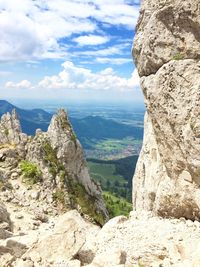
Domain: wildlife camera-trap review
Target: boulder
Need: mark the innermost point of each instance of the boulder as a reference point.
(64, 243)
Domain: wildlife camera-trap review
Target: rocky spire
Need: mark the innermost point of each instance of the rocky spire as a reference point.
(54, 163)
(64, 174)
(10, 129)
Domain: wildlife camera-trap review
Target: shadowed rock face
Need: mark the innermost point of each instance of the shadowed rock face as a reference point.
(166, 51)
(47, 172)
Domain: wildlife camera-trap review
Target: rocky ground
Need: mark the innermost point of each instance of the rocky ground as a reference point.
(69, 240)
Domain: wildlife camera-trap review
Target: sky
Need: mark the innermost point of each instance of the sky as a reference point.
(73, 50)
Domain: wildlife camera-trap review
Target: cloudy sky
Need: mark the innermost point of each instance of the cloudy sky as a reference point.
(68, 49)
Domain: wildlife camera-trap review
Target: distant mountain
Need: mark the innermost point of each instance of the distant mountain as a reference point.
(89, 129)
(98, 128)
(30, 119)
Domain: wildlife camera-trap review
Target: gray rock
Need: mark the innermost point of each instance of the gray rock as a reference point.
(166, 50)
(61, 175)
(69, 235)
(10, 130)
(59, 156)
(4, 234)
(166, 30)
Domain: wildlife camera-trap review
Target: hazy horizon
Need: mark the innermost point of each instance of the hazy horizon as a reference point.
(54, 105)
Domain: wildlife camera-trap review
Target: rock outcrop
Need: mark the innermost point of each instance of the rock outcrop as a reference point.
(166, 51)
(47, 173)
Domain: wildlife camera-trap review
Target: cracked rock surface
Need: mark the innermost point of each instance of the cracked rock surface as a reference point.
(166, 50)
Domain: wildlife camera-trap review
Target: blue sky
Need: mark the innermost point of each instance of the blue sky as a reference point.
(68, 49)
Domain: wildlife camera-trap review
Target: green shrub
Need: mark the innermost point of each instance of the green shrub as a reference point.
(50, 153)
(178, 56)
(31, 172)
(116, 205)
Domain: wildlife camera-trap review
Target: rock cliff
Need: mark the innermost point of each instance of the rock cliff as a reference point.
(166, 52)
(47, 173)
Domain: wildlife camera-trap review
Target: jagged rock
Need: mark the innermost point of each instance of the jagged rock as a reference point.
(10, 129)
(45, 176)
(113, 259)
(4, 234)
(22, 263)
(167, 177)
(60, 159)
(141, 240)
(18, 249)
(40, 216)
(59, 172)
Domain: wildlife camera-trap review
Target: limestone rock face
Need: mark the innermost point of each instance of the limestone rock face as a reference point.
(166, 30)
(166, 51)
(70, 152)
(47, 174)
(10, 130)
(5, 222)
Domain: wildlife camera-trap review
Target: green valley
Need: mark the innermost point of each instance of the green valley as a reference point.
(115, 178)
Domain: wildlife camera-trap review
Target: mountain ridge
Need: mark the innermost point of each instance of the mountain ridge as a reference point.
(87, 128)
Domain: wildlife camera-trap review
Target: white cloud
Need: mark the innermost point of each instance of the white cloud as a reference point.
(34, 29)
(73, 77)
(24, 84)
(75, 83)
(78, 78)
(91, 40)
(118, 14)
(135, 79)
